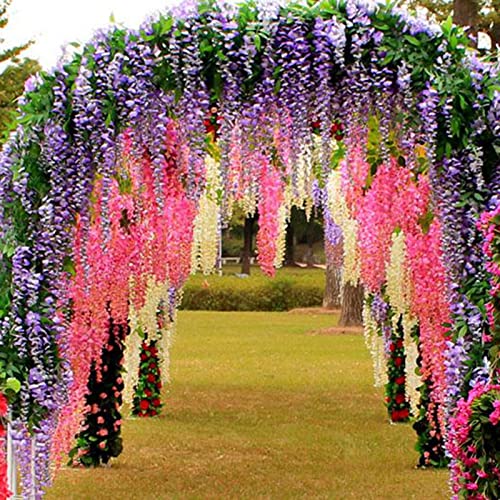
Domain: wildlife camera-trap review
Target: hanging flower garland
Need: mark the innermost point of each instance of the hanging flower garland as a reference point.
(100, 184)
(490, 224)
(412, 371)
(271, 198)
(100, 436)
(206, 236)
(340, 215)
(474, 444)
(303, 175)
(399, 293)
(206, 233)
(376, 224)
(283, 220)
(375, 344)
(397, 277)
(131, 356)
(355, 172)
(95, 306)
(430, 305)
(391, 334)
(146, 322)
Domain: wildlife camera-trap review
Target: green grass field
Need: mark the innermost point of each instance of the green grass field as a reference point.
(259, 408)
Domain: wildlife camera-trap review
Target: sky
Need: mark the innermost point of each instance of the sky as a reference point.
(52, 24)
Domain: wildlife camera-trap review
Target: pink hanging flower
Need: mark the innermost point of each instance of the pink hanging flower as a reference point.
(495, 415)
(271, 197)
(135, 233)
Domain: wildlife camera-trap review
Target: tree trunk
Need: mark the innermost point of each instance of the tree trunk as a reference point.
(466, 13)
(352, 306)
(289, 245)
(309, 255)
(333, 254)
(494, 33)
(247, 244)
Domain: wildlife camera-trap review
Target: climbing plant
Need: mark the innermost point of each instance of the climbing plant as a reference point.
(147, 396)
(142, 143)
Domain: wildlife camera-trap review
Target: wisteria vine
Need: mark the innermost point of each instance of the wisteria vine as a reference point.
(127, 154)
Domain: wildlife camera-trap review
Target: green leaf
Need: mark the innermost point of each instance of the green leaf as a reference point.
(413, 40)
(447, 25)
(257, 42)
(13, 384)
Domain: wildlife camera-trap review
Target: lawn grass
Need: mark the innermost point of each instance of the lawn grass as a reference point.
(259, 409)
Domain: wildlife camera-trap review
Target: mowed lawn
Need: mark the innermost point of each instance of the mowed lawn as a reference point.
(260, 408)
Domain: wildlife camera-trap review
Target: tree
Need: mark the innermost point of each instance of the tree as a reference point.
(333, 257)
(13, 52)
(305, 230)
(351, 313)
(290, 242)
(479, 15)
(13, 77)
(246, 254)
(11, 87)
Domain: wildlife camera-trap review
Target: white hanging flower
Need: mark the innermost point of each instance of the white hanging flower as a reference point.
(399, 293)
(206, 236)
(206, 231)
(341, 216)
(375, 344)
(397, 276)
(303, 177)
(248, 202)
(131, 357)
(413, 381)
(283, 219)
(145, 321)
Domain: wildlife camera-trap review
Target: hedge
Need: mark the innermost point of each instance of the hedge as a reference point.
(230, 293)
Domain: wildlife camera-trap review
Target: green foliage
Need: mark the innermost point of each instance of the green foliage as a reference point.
(430, 444)
(485, 438)
(12, 78)
(487, 17)
(8, 54)
(11, 87)
(255, 293)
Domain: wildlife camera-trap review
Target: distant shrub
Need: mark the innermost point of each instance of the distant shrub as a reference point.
(255, 293)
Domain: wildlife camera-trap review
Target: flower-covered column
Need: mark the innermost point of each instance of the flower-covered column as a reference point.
(397, 403)
(147, 397)
(99, 439)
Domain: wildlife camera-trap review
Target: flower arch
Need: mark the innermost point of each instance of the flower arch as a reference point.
(130, 155)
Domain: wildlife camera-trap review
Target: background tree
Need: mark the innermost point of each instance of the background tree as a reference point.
(351, 309)
(480, 15)
(306, 231)
(248, 237)
(333, 275)
(11, 87)
(13, 75)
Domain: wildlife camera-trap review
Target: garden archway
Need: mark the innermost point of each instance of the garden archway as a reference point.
(130, 155)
